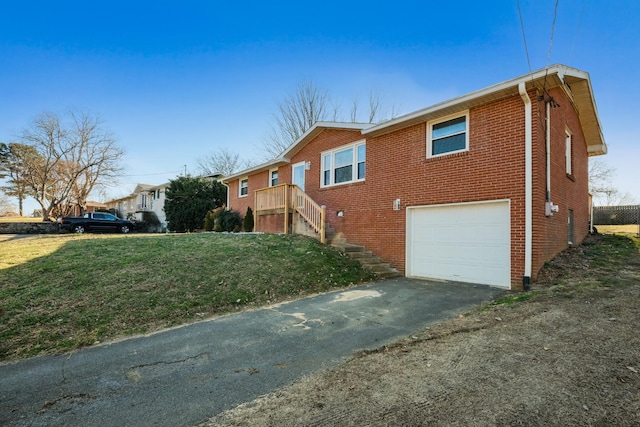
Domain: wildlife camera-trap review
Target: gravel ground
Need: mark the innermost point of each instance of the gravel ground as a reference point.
(567, 353)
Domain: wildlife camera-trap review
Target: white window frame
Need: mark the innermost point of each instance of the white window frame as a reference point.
(568, 151)
(354, 163)
(430, 139)
(271, 171)
(240, 181)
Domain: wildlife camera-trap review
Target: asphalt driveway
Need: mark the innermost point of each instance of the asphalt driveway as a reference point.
(183, 376)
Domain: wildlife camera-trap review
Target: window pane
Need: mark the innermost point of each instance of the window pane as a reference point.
(362, 152)
(327, 162)
(343, 158)
(326, 169)
(448, 144)
(361, 170)
(343, 174)
(449, 127)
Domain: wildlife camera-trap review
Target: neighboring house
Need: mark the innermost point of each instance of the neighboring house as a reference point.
(145, 198)
(90, 206)
(482, 188)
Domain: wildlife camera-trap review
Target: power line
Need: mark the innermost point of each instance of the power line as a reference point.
(575, 36)
(152, 174)
(524, 37)
(553, 26)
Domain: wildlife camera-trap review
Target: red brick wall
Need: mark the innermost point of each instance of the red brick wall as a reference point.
(494, 168)
(272, 223)
(256, 182)
(568, 192)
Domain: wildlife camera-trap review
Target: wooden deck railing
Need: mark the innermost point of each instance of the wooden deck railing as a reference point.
(272, 198)
(288, 198)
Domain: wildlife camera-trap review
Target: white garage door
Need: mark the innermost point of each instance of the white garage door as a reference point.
(464, 242)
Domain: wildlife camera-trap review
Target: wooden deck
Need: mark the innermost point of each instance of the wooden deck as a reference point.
(290, 199)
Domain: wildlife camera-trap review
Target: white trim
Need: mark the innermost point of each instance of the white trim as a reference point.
(293, 167)
(271, 176)
(318, 127)
(246, 178)
(568, 151)
(478, 202)
(507, 86)
(354, 172)
(528, 183)
(431, 123)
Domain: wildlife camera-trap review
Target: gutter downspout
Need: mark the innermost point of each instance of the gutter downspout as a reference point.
(228, 191)
(528, 186)
(548, 149)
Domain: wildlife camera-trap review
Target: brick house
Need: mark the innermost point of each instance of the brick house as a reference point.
(482, 188)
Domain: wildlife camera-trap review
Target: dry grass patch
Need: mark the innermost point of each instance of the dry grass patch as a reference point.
(618, 229)
(20, 219)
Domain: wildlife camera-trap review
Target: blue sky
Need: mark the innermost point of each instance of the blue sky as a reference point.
(176, 81)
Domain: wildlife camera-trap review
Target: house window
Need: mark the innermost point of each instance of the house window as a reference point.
(344, 164)
(244, 187)
(273, 177)
(568, 154)
(448, 135)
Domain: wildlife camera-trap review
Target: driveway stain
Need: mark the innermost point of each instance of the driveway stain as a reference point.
(356, 295)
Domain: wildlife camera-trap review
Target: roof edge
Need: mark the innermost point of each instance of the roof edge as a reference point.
(288, 152)
(529, 79)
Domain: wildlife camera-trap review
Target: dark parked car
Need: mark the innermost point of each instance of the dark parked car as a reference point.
(96, 221)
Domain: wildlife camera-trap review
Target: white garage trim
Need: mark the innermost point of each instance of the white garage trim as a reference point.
(465, 242)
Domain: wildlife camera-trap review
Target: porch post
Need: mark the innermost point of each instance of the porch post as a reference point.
(323, 218)
(255, 215)
(286, 208)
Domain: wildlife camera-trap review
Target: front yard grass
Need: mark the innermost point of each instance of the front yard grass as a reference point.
(60, 293)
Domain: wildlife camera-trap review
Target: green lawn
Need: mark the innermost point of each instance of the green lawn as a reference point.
(63, 292)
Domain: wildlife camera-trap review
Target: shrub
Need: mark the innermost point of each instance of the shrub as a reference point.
(189, 199)
(226, 220)
(247, 222)
(150, 223)
(209, 220)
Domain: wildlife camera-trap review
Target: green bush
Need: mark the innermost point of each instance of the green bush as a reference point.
(189, 199)
(247, 222)
(209, 221)
(150, 223)
(226, 220)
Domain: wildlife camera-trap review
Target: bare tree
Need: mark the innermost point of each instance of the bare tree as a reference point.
(223, 162)
(601, 185)
(95, 163)
(307, 105)
(375, 110)
(72, 160)
(296, 114)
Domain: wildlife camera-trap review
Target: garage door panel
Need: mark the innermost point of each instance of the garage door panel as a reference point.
(460, 242)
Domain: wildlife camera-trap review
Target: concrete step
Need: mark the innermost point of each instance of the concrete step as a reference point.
(350, 249)
(358, 252)
(392, 272)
